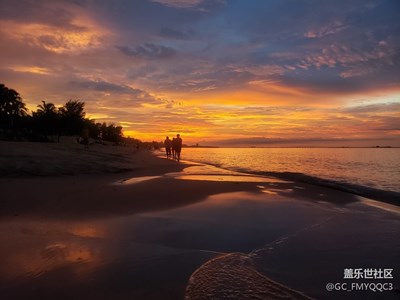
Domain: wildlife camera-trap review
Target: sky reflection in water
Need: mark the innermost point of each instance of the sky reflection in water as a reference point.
(133, 256)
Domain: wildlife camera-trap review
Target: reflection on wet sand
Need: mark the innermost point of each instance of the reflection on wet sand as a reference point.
(135, 180)
(31, 248)
(381, 205)
(229, 178)
(87, 230)
(152, 255)
(207, 173)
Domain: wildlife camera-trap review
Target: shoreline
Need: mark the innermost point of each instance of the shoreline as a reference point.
(187, 217)
(70, 161)
(28, 160)
(385, 196)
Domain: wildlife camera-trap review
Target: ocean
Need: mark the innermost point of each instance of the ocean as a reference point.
(323, 247)
(364, 171)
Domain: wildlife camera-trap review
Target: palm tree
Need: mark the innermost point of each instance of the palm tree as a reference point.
(11, 107)
(72, 116)
(46, 109)
(73, 108)
(46, 119)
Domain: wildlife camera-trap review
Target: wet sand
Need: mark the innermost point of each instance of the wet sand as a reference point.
(164, 230)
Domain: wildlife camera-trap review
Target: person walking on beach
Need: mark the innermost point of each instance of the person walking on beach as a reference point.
(173, 147)
(178, 147)
(85, 137)
(168, 145)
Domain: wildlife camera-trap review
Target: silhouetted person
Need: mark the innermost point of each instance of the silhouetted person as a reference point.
(173, 148)
(178, 147)
(85, 137)
(168, 145)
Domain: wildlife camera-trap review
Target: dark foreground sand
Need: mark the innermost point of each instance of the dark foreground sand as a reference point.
(117, 223)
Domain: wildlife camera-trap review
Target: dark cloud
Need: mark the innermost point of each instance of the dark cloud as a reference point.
(170, 33)
(200, 5)
(39, 12)
(373, 108)
(340, 47)
(103, 86)
(144, 16)
(179, 3)
(387, 123)
(52, 41)
(122, 95)
(148, 50)
(335, 46)
(213, 79)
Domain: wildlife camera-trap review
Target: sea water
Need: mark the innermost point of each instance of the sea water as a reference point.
(364, 168)
(311, 253)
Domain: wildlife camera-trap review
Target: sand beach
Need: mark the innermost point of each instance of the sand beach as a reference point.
(112, 222)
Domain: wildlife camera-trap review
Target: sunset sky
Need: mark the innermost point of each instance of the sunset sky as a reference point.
(221, 72)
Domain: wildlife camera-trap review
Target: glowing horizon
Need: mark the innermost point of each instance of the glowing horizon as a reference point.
(217, 72)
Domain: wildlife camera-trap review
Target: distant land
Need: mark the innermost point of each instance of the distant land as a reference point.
(200, 146)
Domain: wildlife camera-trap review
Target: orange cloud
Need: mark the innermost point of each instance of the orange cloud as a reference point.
(81, 34)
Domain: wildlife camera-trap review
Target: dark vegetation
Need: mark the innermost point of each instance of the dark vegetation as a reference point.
(48, 123)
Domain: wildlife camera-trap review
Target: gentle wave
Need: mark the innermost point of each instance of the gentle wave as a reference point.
(360, 190)
(377, 169)
(385, 191)
(234, 276)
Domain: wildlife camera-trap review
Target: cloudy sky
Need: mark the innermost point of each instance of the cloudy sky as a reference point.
(226, 72)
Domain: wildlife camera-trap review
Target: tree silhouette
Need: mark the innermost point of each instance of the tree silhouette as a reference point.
(46, 109)
(12, 109)
(111, 133)
(47, 120)
(73, 108)
(72, 116)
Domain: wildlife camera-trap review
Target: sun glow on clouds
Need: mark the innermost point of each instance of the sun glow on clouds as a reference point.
(210, 123)
(82, 34)
(30, 69)
(210, 70)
